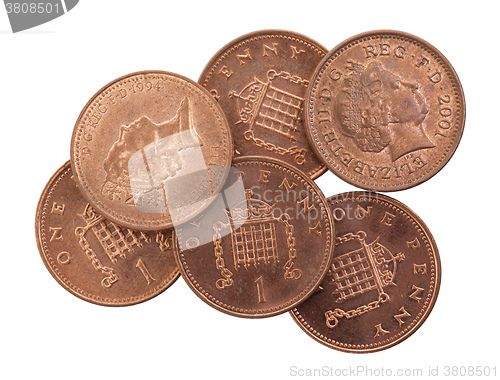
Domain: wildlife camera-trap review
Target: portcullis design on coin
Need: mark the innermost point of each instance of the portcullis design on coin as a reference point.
(383, 281)
(385, 111)
(151, 150)
(260, 80)
(263, 245)
(95, 259)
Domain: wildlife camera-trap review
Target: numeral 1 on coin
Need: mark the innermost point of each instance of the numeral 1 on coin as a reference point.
(260, 289)
(149, 278)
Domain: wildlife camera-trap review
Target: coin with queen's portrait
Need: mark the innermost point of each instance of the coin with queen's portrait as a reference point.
(385, 111)
(151, 150)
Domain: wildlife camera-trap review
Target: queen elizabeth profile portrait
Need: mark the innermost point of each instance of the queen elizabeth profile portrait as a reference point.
(147, 155)
(379, 110)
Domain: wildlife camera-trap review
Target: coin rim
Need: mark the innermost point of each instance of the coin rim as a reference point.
(350, 195)
(402, 185)
(321, 275)
(44, 251)
(119, 218)
(206, 74)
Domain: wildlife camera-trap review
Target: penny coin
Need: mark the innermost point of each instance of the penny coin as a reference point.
(260, 80)
(263, 246)
(95, 259)
(383, 281)
(151, 149)
(385, 110)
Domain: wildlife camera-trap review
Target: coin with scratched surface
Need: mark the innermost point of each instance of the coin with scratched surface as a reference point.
(383, 281)
(95, 259)
(260, 80)
(263, 246)
(385, 111)
(150, 150)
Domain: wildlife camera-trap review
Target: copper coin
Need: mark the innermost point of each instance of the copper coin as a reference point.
(95, 259)
(260, 80)
(263, 246)
(151, 149)
(385, 110)
(383, 281)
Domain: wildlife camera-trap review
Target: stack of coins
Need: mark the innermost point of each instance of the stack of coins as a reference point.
(215, 181)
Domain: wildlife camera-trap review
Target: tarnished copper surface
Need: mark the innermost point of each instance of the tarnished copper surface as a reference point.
(260, 80)
(262, 254)
(150, 149)
(95, 259)
(385, 110)
(383, 281)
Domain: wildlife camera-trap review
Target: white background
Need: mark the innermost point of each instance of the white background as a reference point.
(48, 74)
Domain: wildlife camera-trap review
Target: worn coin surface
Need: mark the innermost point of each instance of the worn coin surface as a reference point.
(260, 80)
(150, 150)
(385, 110)
(263, 246)
(95, 259)
(383, 281)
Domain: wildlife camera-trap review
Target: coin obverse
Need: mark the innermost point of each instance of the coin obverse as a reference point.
(150, 150)
(263, 246)
(383, 281)
(260, 80)
(95, 259)
(385, 111)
